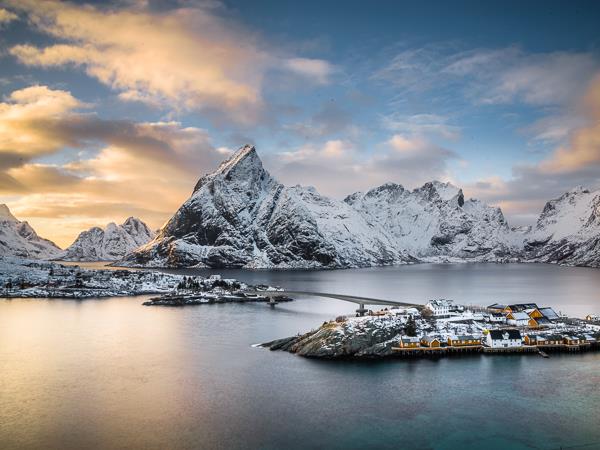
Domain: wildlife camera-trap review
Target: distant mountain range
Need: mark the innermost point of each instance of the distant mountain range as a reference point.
(96, 244)
(240, 216)
(108, 244)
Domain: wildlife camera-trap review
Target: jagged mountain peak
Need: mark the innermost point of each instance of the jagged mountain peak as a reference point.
(244, 154)
(5, 214)
(443, 190)
(239, 216)
(244, 166)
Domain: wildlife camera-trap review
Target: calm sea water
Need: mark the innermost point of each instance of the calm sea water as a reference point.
(113, 374)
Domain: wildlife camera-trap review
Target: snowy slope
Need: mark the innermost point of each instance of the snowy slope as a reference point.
(568, 230)
(435, 221)
(20, 239)
(108, 244)
(240, 216)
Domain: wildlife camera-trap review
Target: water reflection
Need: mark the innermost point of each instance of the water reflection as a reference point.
(114, 374)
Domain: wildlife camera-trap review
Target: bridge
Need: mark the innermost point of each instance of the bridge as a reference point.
(361, 301)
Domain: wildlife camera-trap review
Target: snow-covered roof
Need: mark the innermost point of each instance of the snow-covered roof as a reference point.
(498, 335)
(549, 313)
(520, 316)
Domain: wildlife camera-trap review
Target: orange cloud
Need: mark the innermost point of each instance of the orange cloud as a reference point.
(188, 58)
(583, 148)
(24, 111)
(144, 169)
(6, 16)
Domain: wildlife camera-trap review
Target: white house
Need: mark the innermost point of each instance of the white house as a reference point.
(503, 339)
(412, 312)
(497, 318)
(519, 319)
(441, 307)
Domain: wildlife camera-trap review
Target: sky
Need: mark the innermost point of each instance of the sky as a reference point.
(115, 109)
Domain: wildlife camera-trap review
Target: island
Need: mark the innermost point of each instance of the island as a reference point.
(443, 328)
(25, 278)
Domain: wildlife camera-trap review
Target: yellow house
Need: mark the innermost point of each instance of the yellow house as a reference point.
(555, 339)
(463, 341)
(534, 313)
(430, 342)
(532, 339)
(409, 342)
(521, 319)
(571, 340)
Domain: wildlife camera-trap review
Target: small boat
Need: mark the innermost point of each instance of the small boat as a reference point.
(543, 354)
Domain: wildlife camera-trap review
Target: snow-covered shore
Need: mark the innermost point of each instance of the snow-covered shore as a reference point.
(24, 278)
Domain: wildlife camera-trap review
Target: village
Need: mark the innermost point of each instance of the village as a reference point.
(443, 326)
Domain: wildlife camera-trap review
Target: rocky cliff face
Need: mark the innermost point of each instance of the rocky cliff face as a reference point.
(20, 239)
(108, 244)
(567, 231)
(240, 216)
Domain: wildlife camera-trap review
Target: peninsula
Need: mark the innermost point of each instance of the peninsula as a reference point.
(443, 328)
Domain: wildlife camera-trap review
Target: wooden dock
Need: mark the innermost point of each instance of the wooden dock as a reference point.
(525, 349)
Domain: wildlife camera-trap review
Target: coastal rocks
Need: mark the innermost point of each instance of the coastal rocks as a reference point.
(108, 244)
(361, 337)
(20, 239)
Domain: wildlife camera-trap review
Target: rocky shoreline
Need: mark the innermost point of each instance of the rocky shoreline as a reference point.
(360, 337)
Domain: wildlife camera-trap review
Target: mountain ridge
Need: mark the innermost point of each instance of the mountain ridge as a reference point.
(240, 216)
(108, 244)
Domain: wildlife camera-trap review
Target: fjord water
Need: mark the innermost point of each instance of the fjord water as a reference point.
(111, 373)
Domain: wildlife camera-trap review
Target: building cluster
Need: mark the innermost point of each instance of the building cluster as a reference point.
(446, 325)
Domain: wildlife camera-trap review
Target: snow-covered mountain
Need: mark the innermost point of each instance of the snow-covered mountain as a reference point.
(435, 222)
(20, 239)
(240, 216)
(108, 244)
(567, 231)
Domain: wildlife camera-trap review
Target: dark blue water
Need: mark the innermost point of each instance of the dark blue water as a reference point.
(113, 374)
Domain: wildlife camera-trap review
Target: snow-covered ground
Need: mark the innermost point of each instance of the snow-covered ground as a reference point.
(33, 278)
(378, 334)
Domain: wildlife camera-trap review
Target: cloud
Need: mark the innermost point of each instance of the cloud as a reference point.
(315, 69)
(123, 167)
(28, 121)
(188, 58)
(554, 128)
(338, 168)
(421, 125)
(328, 120)
(574, 163)
(6, 16)
(492, 76)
